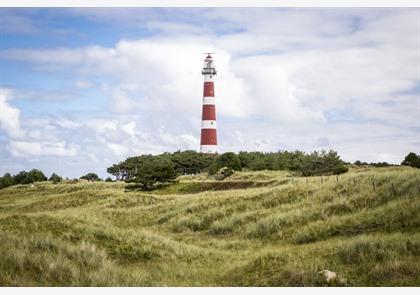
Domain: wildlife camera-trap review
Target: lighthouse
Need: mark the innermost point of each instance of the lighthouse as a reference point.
(208, 144)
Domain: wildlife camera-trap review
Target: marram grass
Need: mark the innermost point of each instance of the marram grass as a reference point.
(254, 229)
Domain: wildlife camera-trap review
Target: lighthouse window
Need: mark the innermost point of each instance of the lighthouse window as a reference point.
(211, 123)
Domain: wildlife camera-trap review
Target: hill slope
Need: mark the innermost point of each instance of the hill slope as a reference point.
(257, 229)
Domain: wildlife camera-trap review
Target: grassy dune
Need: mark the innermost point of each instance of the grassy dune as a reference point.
(253, 229)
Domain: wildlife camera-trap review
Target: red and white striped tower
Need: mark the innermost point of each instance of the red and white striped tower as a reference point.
(208, 143)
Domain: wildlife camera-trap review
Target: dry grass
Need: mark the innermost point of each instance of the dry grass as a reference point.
(274, 230)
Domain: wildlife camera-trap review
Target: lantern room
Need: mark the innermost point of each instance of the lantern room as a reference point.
(209, 68)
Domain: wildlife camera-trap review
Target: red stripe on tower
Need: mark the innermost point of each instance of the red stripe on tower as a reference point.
(208, 143)
(208, 137)
(208, 89)
(209, 112)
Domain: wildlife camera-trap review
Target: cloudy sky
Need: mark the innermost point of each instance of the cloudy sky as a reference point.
(81, 89)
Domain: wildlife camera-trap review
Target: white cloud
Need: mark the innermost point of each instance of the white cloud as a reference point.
(20, 148)
(24, 148)
(121, 103)
(129, 128)
(67, 123)
(119, 149)
(9, 115)
(37, 138)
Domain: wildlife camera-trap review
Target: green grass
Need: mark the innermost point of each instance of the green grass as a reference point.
(253, 229)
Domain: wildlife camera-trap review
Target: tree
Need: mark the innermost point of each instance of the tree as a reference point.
(33, 175)
(55, 178)
(37, 175)
(412, 160)
(380, 164)
(230, 160)
(6, 181)
(151, 171)
(115, 170)
(190, 162)
(108, 179)
(21, 178)
(318, 163)
(91, 177)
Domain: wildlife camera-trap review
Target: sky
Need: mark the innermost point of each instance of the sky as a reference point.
(84, 88)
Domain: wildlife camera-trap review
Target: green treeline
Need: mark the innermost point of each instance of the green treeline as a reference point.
(169, 165)
(146, 170)
(22, 177)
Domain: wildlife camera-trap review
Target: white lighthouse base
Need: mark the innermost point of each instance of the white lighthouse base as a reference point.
(208, 149)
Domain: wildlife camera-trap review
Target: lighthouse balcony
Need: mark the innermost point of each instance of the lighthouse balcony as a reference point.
(208, 71)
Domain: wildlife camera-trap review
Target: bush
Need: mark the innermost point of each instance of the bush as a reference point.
(151, 171)
(33, 175)
(340, 169)
(224, 173)
(6, 180)
(412, 160)
(55, 178)
(319, 163)
(380, 164)
(229, 160)
(213, 169)
(108, 179)
(91, 177)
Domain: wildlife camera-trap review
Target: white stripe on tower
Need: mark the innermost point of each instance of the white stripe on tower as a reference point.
(208, 143)
(209, 100)
(208, 149)
(208, 78)
(208, 124)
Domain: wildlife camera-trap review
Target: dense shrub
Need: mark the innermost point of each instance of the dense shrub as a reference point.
(224, 172)
(213, 169)
(318, 163)
(6, 180)
(412, 160)
(151, 171)
(190, 162)
(229, 160)
(91, 177)
(55, 178)
(185, 162)
(33, 175)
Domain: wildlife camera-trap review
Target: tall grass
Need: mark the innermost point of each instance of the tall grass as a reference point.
(256, 228)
